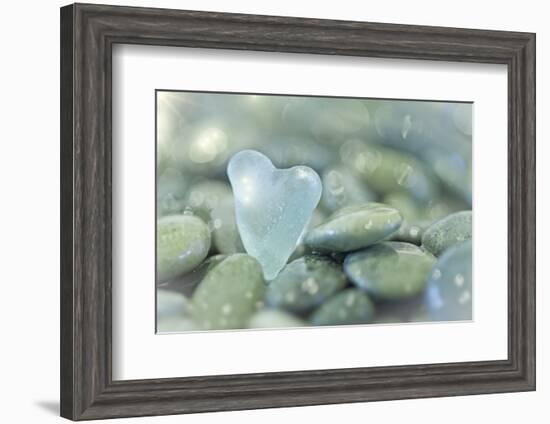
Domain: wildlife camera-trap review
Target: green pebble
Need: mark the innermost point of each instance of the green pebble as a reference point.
(225, 233)
(410, 232)
(207, 195)
(390, 270)
(449, 289)
(288, 151)
(317, 217)
(456, 177)
(351, 306)
(337, 118)
(328, 120)
(343, 188)
(186, 284)
(213, 201)
(171, 188)
(403, 124)
(355, 227)
(462, 118)
(275, 318)
(183, 242)
(447, 232)
(413, 225)
(441, 207)
(171, 304)
(176, 325)
(304, 284)
(173, 312)
(388, 170)
(230, 293)
(414, 309)
(387, 319)
(405, 204)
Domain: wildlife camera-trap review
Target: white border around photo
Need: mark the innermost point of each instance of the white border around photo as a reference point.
(139, 353)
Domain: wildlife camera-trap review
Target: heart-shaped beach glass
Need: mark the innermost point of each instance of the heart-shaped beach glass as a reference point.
(272, 206)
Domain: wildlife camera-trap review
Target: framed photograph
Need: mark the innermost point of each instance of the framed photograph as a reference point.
(263, 211)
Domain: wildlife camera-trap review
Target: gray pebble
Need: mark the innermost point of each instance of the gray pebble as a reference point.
(447, 232)
(186, 283)
(449, 289)
(304, 284)
(230, 293)
(341, 188)
(171, 304)
(225, 233)
(275, 318)
(390, 270)
(354, 227)
(388, 170)
(350, 306)
(183, 242)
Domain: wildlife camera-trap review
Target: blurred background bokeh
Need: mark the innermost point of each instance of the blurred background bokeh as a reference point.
(414, 156)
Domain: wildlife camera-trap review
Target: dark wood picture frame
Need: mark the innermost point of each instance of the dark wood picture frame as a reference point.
(88, 33)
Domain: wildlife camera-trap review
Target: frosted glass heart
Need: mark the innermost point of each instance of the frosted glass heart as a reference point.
(272, 206)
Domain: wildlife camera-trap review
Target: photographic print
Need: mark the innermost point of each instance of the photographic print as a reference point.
(282, 211)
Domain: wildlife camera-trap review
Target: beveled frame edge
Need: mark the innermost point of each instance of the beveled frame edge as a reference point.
(88, 33)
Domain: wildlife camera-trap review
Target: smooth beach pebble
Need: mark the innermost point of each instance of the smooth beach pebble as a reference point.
(462, 118)
(402, 124)
(183, 242)
(336, 118)
(173, 312)
(449, 289)
(275, 318)
(350, 306)
(411, 232)
(304, 284)
(440, 207)
(447, 232)
(207, 195)
(317, 217)
(288, 151)
(408, 310)
(413, 226)
(171, 188)
(390, 270)
(225, 234)
(213, 201)
(405, 204)
(186, 284)
(455, 173)
(327, 120)
(343, 188)
(176, 325)
(388, 170)
(230, 293)
(170, 120)
(171, 304)
(354, 227)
